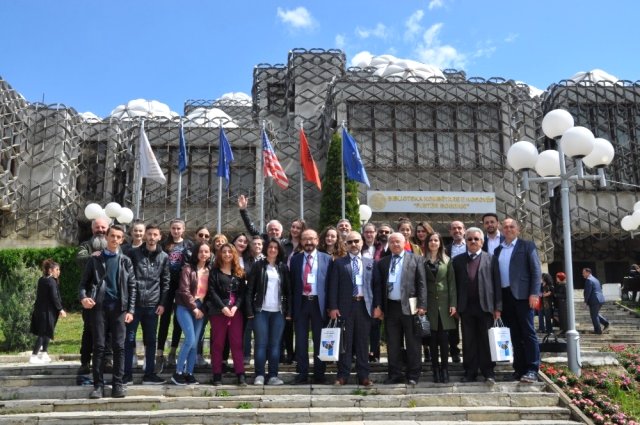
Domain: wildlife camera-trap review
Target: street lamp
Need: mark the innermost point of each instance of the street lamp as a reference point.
(578, 144)
(631, 222)
(365, 214)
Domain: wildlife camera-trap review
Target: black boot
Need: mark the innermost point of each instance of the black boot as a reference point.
(436, 373)
(444, 375)
(427, 354)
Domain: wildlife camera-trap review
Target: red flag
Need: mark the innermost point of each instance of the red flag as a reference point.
(272, 167)
(307, 163)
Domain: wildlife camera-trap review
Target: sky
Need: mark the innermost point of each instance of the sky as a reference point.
(94, 55)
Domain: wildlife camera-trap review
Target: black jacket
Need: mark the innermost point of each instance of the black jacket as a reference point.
(92, 282)
(218, 293)
(257, 287)
(152, 275)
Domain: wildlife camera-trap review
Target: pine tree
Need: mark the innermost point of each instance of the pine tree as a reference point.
(330, 204)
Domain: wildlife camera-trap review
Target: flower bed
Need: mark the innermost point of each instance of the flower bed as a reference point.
(607, 396)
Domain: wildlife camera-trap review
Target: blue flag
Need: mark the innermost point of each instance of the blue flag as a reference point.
(225, 157)
(351, 158)
(183, 160)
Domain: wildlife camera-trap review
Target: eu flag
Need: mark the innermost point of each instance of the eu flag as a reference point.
(225, 157)
(183, 161)
(351, 158)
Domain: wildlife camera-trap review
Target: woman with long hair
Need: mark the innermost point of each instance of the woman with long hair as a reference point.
(422, 233)
(330, 242)
(202, 235)
(241, 243)
(406, 228)
(268, 304)
(441, 305)
(225, 297)
(190, 311)
(292, 243)
(46, 311)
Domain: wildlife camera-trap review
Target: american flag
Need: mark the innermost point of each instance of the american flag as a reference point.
(272, 167)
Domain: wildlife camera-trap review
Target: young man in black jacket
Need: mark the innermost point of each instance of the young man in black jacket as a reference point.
(151, 268)
(108, 289)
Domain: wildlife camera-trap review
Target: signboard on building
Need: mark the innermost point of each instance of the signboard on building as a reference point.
(431, 202)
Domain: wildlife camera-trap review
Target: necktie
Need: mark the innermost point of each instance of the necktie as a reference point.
(394, 262)
(473, 256)
(306, 289)
(356, 271)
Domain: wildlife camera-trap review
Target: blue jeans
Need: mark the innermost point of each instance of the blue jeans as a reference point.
(268, 327)
(191, 329)
(148, 319)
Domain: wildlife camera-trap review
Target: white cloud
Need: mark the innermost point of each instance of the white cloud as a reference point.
(340, 41)
(431, 51)
(436, 4)
(511, 38)
(361, 59)
(380, 31)
(298, 18)
(413, 25)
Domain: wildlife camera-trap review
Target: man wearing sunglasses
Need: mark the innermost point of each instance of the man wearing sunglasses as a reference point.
(350, 299)
(479, 304)
(382, 242)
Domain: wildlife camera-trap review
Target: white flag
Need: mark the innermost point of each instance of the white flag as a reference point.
(149, 166)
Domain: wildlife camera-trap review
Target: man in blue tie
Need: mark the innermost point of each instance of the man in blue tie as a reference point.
(351, 299)
(309, 273)
(398, 278)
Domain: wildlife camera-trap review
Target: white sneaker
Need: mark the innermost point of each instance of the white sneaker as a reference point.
(44, 356)
(274, 380)
(200, 361)
(35, 359)
(259, 380)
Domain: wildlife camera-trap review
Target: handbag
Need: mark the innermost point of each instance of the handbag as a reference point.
(500, 342)
(421, 326)
(551, 343)
(330, 342)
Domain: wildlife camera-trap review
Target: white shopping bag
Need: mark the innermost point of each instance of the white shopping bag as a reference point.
(500, 343)
(330, 343)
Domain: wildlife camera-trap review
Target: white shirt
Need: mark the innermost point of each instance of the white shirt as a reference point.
(360, 275)
(314, 269)
(493, 243)
(504, 260)
(272, 292)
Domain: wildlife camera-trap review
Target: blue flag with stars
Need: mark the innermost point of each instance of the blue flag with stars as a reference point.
(225, 157)
(351, 158)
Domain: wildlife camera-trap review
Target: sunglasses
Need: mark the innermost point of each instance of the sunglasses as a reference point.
(383, 232)
(473, 239)
(353, 241)
(204, 235)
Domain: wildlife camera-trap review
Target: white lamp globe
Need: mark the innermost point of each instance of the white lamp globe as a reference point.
(556, 122)
(635, 217)
(92, 211)
(365, 212)
(636, 206)
(601, 155)
(522, 155)
(577, 142)
(104, 215)
(113, 209)
(628, 223)
(126, 216)
(548, 163)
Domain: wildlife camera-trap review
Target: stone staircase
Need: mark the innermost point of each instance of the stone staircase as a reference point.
(624, 329)
(35, 394)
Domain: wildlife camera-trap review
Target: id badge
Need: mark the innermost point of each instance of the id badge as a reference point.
(359, 280)
(311, 279)
(392, 277)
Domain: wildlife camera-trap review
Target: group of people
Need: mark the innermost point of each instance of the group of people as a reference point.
(276, 287)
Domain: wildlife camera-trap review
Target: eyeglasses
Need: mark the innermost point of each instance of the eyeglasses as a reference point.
(353, 241)
(472, 239)
(204, 235)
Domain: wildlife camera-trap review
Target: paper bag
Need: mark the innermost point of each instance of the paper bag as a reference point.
(330, 343)
(500, 343)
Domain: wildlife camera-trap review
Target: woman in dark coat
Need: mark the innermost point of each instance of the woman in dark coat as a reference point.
(46, 311)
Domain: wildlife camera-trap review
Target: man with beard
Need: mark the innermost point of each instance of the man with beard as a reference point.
(309, 275)
(344, 227)
(492, 238)
(381, 249)
(455, 248)
(87, 249)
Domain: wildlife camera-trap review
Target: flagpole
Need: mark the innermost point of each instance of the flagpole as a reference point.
(264, 128)
(178, 201)
(342, 173)
(138, 177)
(301, 181)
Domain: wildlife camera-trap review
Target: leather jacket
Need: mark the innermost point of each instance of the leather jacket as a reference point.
(152, 274)
(187, 288)
(92, 282)
(218, 293)
(257, 287)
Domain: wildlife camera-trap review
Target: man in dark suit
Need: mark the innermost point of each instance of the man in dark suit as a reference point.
(399, 277)
(594, 298)
(309, 273)
(381, 249)
(520, 278)
(350, 298)
(455, 248)
(479, 304)
(492, 237)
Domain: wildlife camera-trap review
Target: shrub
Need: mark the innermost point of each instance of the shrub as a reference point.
(17, 296)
